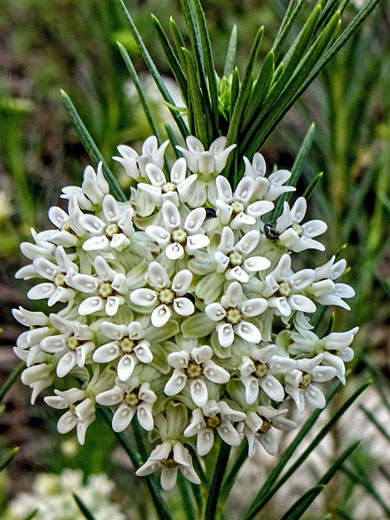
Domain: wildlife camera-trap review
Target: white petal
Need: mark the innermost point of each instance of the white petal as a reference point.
(199, 393)
(256, 263)
(66, 363)
(176, 383)
(253, 307)
(272, 387)
(225, 334)
(160, 316)
(298, 302)
(143, 352)
(182, 282)
(106, 353)
(205, 441)
(183, 306)
(40, 291)
(195, 242)
(126, 367)
(110, 397)
(158, 277)
(215, 373)
(314, 228)
(201, 354)
(215, 311)
(194, 220)
(228, 433)
(66, 423)
(171, 216)
(143, 297)
(174, 251)
(168, 477)
(122, 417)
(93, 224)
(244, 190)
(113, 303)
(91, 305)
(159, 235)
(248, 332)
(315, 397)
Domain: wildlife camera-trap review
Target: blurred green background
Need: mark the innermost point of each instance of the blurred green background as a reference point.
(46, 46)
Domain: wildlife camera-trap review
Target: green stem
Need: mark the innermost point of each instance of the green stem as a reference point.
(219, 471)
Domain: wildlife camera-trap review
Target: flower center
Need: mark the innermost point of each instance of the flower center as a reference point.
(73, 342)
(169, 187)
(111, 230)
(132, 398)
(297, 228)
(265, 426)
(237, 207)
(59, 280)
(127, 345)
(105, 290)
(305, 381)
(235, 258)
(261, 369)
(193, 370)
(284, 289)
(213, 422)
(180, 236)
(233, 316)
(169, 462)
(166, 296)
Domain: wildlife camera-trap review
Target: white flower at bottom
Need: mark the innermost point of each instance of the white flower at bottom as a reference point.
(170, 456)
(258, 428)
(194, 367)
(231, 314)
(81, 411)
(132, 396)
(214, 416)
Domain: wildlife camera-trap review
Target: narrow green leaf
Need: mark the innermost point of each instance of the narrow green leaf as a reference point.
(292, 11)
(234, 91)
(338, 463)
(293, 57)
(309, 190)
(174, 63)
(31, 515)
(197, 465)
(188, 507)
(299, 507)
(140, 91)
(153, 70)
(178, 40)
(244, 90)
(219, 470)
(230, 477)
(173, 139)
(155, 491)
(83, 508)
(367, 484)
(8, 458)
(208, 63)
(14, 375)
(260, 90)
(194, 94)
(296, 170)
(91, 148)
(230, 60)
(371, 417)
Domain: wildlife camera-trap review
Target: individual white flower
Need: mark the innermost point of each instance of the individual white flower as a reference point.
(112, 230)
(258, 427)
(234, 259)
(41, 249)
(134, 164)
(129, 345)
(266, 188)
(28, 343)
(94, 187)
(299, 382)
(231, 314)
(56, 290)
(38, 377)
(107, 288)
(283, 289)
(166, 296)
(236, 209)
(68, 226)
(335, 348)
(325, 291)
(132, 397)
(206, 164)
(295, 236)
(212, 416)
(258, 369)
(177, 238)
(73, 344)
(169, 457)
(193, 368)
(81, 411)
(176, 189)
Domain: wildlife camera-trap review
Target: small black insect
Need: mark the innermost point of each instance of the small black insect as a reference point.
(270, 232)
(210, 213)
(190, 297)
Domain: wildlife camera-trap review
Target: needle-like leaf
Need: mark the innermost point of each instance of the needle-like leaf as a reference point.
(230, 60)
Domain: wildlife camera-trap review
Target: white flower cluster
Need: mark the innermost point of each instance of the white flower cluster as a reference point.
(52, 498)
(181, 306)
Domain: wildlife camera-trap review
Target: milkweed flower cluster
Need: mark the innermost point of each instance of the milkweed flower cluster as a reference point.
(186, 306)
(51, 497)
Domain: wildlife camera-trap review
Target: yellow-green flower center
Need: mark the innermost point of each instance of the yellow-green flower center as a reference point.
(261, 369)
(59, 280)
(105, 290)
(73, 343)
(233, 316)
(284, 290)
(297, 228)
(169, 187)
(265, 426)
(180, 236)
(193, 370)
(237, 207)
(127, 345)
(305, 381)
(213, 422)
(132, 398)
(235, 258)
(111, 230)
(166, 296)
